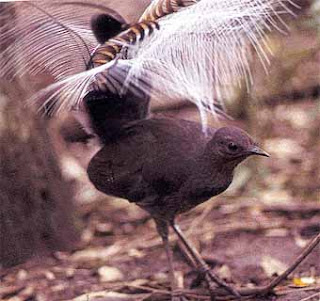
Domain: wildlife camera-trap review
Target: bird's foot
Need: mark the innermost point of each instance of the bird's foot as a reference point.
(213, 279)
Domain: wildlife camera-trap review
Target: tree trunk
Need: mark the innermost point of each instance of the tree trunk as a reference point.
(36, 211)
(35, 201)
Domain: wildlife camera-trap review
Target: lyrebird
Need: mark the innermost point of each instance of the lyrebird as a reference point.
(180, 49)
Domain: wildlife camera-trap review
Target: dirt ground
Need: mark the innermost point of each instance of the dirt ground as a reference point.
(248, 235)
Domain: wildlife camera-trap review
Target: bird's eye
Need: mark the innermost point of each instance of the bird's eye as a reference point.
(232, 147)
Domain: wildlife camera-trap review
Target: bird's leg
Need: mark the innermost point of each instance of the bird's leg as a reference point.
(204, 268)
(163, 230)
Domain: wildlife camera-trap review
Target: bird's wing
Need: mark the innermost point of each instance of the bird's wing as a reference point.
(152, 155)
(117, 168)
(170, 154)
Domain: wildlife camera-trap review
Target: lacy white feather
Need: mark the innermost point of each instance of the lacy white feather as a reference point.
(51, 36)
(204, 50)
(199, 53)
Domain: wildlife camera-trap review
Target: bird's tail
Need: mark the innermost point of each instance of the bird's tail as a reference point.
(108, 112)
(201, 51)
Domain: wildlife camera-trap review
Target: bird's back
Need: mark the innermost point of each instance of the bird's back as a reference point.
(151, 157)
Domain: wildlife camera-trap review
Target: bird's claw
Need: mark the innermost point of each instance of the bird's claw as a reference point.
(211, 279)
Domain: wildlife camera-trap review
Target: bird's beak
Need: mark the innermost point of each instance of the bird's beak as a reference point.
(258, 151)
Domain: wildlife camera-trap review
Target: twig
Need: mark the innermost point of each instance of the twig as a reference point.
(293, 208)
(152, 240)
(263, 290)
(310, 297)
(220, 294)
(149, 289)
(307, 250)
(300, 289)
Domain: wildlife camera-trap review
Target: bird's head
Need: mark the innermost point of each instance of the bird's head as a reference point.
(231, 144)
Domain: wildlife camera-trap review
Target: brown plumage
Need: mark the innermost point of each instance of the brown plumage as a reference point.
(161, 8)
(135, 33)
(168, 167)
(113, 47)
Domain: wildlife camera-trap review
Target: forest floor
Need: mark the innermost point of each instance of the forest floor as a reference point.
(248, 235)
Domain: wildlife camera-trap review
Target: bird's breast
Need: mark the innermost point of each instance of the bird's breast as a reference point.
(200, 195)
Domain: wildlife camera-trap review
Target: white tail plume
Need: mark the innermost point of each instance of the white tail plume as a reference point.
(200, 52)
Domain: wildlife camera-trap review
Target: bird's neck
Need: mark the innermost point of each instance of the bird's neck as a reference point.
(216, 169)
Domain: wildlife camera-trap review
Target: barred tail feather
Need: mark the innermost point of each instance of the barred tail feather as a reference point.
(199, 53)
(203, 58)
(131, 36)
(160, 8)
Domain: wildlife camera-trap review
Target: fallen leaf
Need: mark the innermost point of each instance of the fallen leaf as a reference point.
(300, 242)
(272, 266)
(70, 272)
(304, 281)
(224, 272)
(136, 253)
(280, 232)
(110, 296)
(95, 253)
(276, 196)
(178, 275)
(22, 275)
(49, 275)
(104, 228)
(110, 274)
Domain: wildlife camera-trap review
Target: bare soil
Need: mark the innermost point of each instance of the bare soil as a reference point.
(248, 235)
